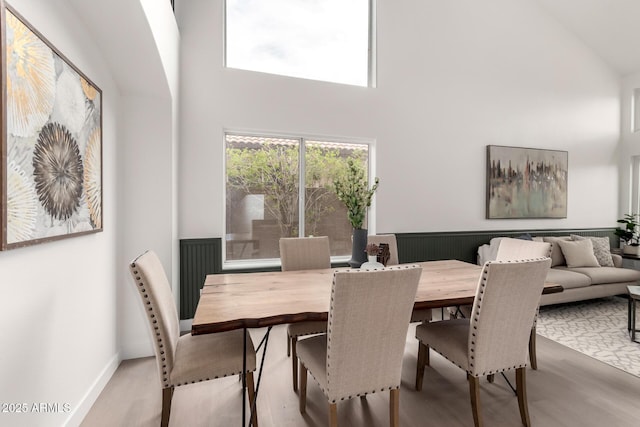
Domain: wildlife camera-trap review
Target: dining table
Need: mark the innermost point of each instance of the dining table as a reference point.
(232, 301)
(255, 300)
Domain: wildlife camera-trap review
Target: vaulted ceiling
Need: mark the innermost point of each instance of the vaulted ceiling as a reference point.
(610, 27)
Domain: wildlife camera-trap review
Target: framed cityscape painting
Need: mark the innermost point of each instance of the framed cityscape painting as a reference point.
(526, 183)
(51, 168)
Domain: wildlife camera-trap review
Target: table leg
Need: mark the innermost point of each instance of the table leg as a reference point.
(629, 313)
(265, 341)
(244, 377)
(633, 319)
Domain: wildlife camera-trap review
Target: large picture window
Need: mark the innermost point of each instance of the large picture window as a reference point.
(328, 40)
(282, 187)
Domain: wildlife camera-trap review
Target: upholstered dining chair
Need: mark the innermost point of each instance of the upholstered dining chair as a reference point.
(494, 339)
(362, 350)
(513, 250)
(303, 253)
(186, 359)
(421, 315)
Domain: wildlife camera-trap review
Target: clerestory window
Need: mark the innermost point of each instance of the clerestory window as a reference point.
(328, 40)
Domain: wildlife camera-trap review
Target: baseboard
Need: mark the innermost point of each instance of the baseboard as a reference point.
(82, 409)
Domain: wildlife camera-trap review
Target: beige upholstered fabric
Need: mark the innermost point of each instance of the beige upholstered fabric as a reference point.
(578, 253)
(511, 250)
(368, 321)
(569, 279)
(421, 315)
(494, 338)
(389, 239)
(557, 258)
(517, 249)
(503, 311)
(305, 253)
(184, 359)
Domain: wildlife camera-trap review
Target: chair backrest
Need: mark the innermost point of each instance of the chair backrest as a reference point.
(160, 309)
(389, 239)
(368, 320)
(519, 249)
(305, 253)
(504, 308)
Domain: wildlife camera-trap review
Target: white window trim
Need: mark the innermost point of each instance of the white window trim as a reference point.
(275, 262)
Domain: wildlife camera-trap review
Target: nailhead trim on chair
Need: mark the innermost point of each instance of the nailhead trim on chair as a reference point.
(483, 285)
(152, 316)
(160, 343)
(329, 324)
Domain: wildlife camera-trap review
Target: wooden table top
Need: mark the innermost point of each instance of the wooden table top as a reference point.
(253, 300)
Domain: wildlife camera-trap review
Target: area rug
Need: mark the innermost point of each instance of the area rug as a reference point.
(597, 328)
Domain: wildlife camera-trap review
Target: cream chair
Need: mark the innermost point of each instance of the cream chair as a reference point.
(422, 315)
(303, 253)
(186, 359)
(513, 250)
(495, 338)
(362, 351)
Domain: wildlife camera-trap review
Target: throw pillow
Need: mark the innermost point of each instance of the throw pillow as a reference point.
(525, 236)
(556, 253)
(601, 249)
(517, 249)
(578, 253)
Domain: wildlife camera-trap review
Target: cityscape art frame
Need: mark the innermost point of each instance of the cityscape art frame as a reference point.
(526, 183)
(51, 150)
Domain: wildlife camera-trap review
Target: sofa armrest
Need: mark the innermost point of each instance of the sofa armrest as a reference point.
(617, 260)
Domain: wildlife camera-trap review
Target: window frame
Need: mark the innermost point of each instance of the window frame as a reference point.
(372, 48)
(301, 137)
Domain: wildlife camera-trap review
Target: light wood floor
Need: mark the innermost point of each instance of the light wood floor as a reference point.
(569, 389)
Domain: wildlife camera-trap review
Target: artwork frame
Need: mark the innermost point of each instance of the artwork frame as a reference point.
(526, 183)
(51, 148)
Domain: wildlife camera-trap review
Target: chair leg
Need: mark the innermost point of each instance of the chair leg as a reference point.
(532, 349)
(333, 414)
(167, 395)
(394, 407)
(474, 391)
(288, 345)
(423, 360)
(294, 363)
(303, 388)
(252, 399)
(521, 387)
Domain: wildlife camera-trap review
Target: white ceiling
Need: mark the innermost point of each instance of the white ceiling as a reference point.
(128, 46)
(610, 27)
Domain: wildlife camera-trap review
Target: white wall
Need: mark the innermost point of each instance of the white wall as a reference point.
(58, 299)
(630, 146)
(453, 77)
(68, 309)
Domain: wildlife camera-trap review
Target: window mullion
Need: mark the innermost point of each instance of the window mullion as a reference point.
(301, 188)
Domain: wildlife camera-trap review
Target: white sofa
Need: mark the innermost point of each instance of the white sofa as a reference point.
(579, 283)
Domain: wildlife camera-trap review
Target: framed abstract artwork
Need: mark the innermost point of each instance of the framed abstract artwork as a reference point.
(51, 168)
(526, 183)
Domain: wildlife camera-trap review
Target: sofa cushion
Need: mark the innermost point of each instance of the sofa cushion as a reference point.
(556, 253)
(567, 279)
(603, 275)
(601, 249)
(517, 249)
(578, 253)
